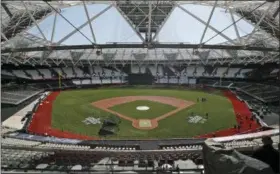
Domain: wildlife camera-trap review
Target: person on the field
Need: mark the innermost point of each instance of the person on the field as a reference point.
(238, 128)
(206, 115)
(268, 154)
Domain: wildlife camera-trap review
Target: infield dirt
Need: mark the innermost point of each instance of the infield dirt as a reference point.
(106, 104)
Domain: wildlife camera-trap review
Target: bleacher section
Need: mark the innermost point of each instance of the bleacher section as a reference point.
(160, 70)
(36, 155)
(5, 72)
(16, 97)
(242, 73)
(199, 71)
(79, 72)
(20, 74)
(263, 92)
(267, 93)
(232, 72)
(69, 72)
(46, 73)
(220, 72)
(34, 74)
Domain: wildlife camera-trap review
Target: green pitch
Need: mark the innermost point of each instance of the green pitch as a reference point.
(71, 108)
(155, 109)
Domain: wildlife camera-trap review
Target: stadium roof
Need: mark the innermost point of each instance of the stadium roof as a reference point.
(89, 31)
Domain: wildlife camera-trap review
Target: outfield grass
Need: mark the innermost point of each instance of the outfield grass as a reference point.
(156, 109)
(72, 107)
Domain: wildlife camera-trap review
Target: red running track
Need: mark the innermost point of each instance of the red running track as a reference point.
(42, 119)
(242, 114)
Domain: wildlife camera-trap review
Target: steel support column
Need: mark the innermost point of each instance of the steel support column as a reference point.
(83, 25)
(54, 24)
(277, 11)
(35, 22)
(149, 22)
(129, 23)
(3, 35)
(161, 26)
(208, 22)
(7, 10)
(89, 23)
(257, 26)
(210, 26)
(235, 26)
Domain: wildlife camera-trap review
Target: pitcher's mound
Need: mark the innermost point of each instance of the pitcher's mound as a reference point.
(142, 108)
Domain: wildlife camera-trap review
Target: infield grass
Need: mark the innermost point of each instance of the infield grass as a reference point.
(72, 107)
(156, 109)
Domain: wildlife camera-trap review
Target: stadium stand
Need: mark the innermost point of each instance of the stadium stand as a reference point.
(263, 92)
(64, 157)
(40, 58)
(16, 96)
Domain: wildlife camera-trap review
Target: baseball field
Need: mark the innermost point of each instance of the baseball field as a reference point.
(142, 113)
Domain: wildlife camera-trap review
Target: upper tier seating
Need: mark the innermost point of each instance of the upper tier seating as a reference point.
(79, 72)
(190, 70)
(20, 74)
(160, 71)
(232, 72)
(242, 72)
(135, 69)
(5, 72)
(97, 70)
(46, 72)
(199, 71)
(220, 72)
(17, 96)
(35, 75)
(153, 70)
(69, 72)
(261, 91)
(59, 72)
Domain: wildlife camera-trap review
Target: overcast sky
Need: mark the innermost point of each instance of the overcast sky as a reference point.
(112, 27)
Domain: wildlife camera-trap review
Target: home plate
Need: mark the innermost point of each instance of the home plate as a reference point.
(142, 108)
(145, 123)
